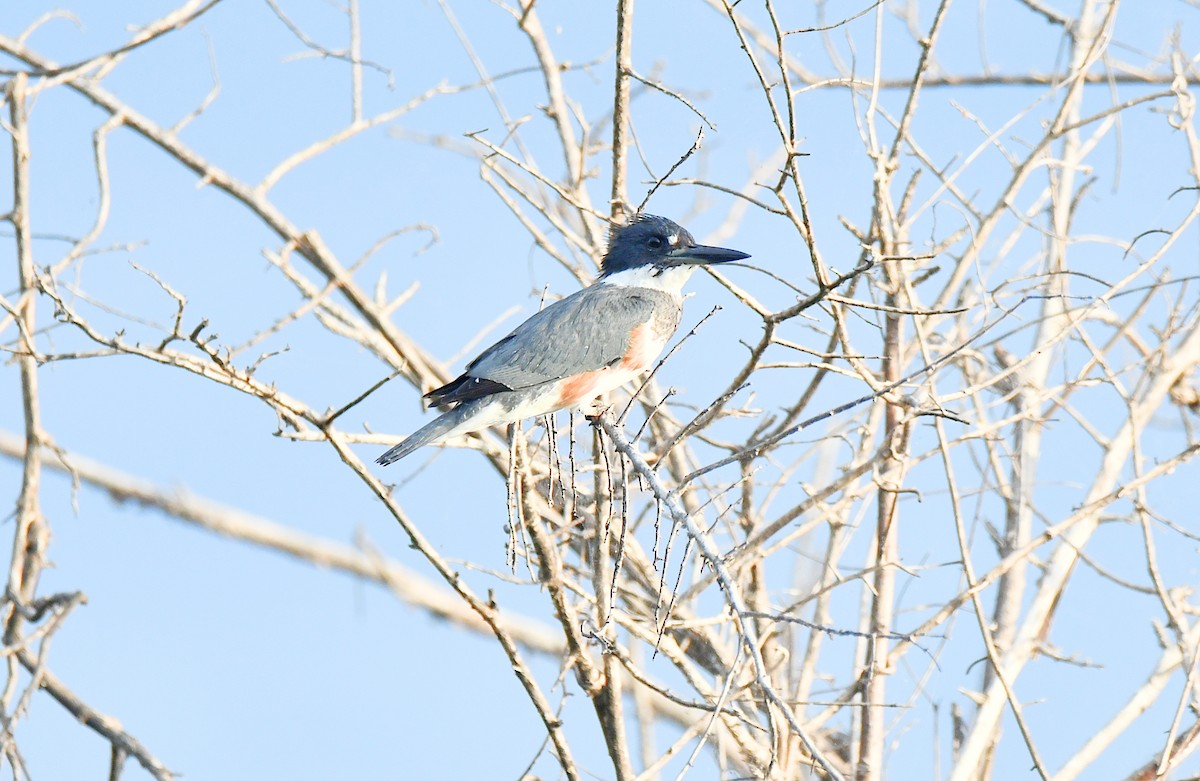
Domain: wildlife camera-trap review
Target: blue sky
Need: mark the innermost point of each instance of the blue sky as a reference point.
(229, 662)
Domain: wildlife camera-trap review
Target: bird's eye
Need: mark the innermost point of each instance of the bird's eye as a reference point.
(654, 242)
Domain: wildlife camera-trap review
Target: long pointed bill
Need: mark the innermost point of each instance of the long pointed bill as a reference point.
(701, 255)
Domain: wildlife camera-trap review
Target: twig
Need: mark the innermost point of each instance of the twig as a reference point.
(658, 182)
(733, 598)
(104, 725)
(620, 129)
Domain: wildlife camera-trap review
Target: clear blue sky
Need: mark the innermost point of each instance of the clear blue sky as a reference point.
(231, 663)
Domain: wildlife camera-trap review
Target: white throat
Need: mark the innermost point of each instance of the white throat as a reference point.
(669, 280)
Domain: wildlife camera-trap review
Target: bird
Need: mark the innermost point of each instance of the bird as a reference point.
(581, 346)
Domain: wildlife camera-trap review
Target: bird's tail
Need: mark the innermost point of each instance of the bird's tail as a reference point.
(460, 420)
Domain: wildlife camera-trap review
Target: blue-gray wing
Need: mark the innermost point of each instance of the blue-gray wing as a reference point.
(583, 332)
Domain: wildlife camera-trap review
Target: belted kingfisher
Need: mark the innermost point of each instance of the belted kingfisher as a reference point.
(582, 346)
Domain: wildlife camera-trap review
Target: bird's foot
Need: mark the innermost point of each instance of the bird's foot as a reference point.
(596, 409)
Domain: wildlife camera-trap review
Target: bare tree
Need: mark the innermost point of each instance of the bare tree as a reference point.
(962, 422)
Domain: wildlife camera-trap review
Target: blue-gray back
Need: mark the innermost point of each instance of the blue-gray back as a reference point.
(583, 332)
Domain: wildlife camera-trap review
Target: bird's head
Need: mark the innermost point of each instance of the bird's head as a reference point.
(657, 244)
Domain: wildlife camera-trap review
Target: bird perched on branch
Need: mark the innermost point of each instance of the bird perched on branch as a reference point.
(576, 349)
